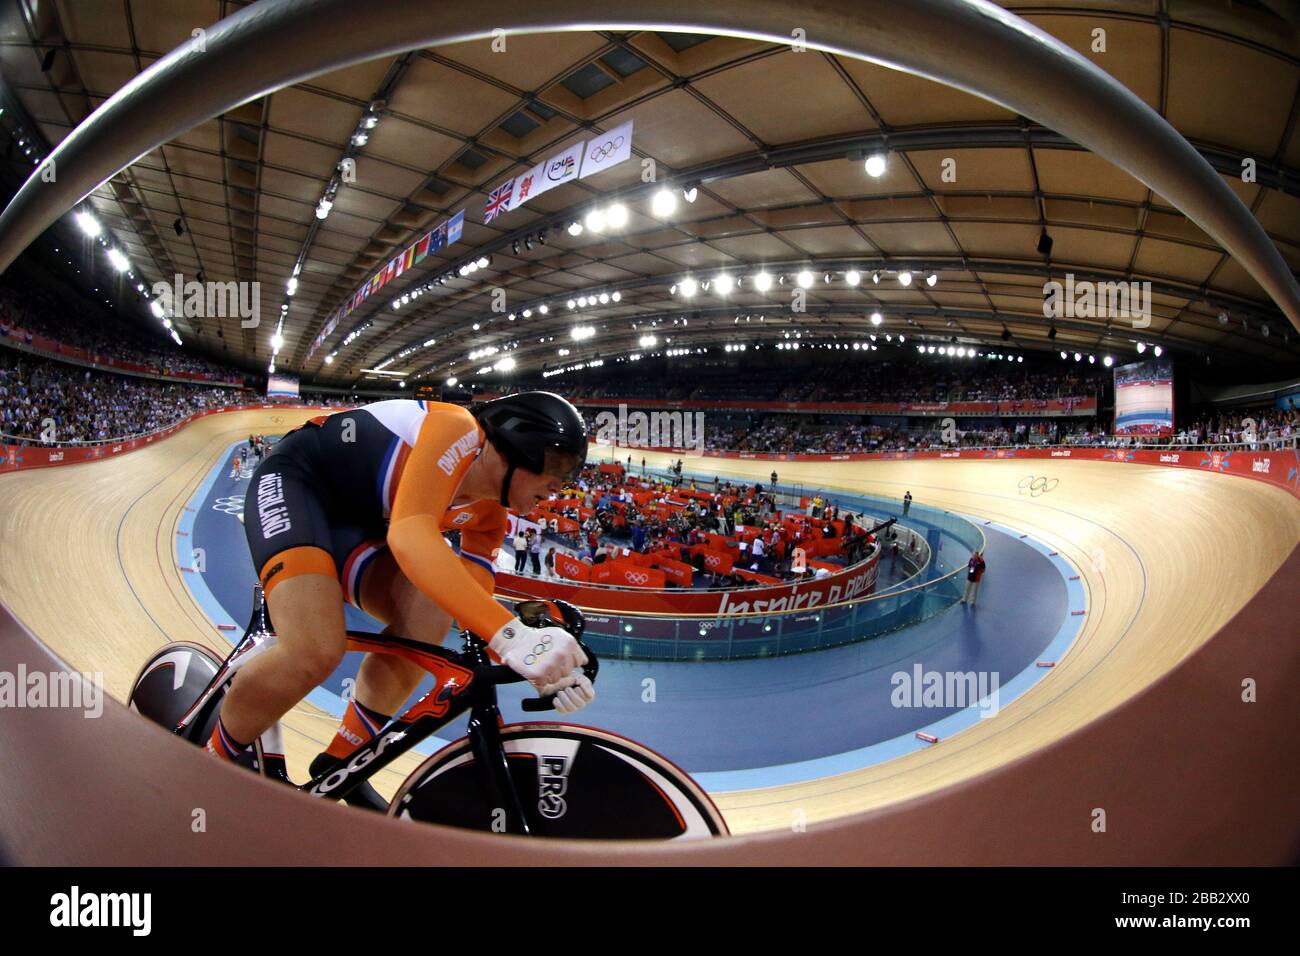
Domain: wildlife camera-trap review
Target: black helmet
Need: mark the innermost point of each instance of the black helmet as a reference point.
(538, 431)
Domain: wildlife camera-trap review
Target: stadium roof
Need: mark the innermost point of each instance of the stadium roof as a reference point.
(772, 140)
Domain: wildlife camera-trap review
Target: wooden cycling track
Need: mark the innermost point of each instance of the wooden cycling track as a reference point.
(1167, 555)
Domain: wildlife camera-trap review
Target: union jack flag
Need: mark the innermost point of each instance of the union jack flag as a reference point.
(498, 201)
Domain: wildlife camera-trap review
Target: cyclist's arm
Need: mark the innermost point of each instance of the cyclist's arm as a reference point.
(476, 552)
(415, 526)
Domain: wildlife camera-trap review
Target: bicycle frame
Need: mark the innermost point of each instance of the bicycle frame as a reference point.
(463, 681)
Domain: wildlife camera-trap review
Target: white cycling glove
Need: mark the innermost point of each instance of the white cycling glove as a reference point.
(571, 696)
(542, 655)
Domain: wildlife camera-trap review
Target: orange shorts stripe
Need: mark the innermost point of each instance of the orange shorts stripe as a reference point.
(294, 562)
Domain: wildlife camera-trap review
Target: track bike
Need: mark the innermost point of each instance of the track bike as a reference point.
(539, 779)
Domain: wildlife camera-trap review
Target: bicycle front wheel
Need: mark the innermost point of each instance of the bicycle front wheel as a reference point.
(576, 782)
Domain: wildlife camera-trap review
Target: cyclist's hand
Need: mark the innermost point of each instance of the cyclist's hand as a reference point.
(573, 692)
(542, 655)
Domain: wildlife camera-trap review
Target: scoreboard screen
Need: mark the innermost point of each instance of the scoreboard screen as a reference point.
(427, 393)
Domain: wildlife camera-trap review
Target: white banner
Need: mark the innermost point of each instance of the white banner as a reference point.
(608, 149)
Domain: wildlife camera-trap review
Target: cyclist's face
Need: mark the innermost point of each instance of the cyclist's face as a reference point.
(528, 488)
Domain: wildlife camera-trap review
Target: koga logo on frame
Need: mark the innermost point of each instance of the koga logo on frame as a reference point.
(74, 909)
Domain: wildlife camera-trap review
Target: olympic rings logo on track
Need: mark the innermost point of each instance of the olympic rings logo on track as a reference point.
(597, 154)
(231, 506)
(1037, 485)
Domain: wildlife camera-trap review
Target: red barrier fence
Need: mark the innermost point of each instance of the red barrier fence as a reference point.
(1054, 407)
(775, 597)
(1280, 467)
(24, 457)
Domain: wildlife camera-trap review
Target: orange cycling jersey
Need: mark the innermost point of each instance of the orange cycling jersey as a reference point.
(338, 491)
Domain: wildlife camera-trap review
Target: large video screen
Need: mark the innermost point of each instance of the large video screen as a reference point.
(1144, 398)
(282, 386)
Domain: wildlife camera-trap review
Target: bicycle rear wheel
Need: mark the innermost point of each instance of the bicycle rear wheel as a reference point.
(575, 782)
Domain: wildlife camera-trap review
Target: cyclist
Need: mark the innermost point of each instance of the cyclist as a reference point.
(353, 507)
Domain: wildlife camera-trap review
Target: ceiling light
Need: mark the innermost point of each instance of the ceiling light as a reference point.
(370, 121)
(323, 208)
(277, 341)
(483, 262)
(617, 296)
(89, 224)
(360, 139)
(575, 228)
(875, 278)
(1158, 351)
(876, 318)
(528, 314)
(292, 285)
(663, 204)
(931, 279)
(604, 298)
(329, 360)
(452, 380)
(648, 341)
(543, 308)
(118, 260)
(875, 165)
(1108, 361)
(724, 284)
(690, 193)
(689, 287)
(572, 304)
(762, 282)
(805, 279)
(1142, 347)
(905, 278)
(595, 221)
(853, 277)
(616, 216)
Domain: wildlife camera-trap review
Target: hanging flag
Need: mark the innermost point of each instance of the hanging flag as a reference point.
(498, 201)
(608, 149)
(421, 248)
(561, 168)
(526, 186)
(454, 227)
(438, 237)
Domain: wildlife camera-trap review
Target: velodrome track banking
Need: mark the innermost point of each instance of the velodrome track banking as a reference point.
(1170, 553)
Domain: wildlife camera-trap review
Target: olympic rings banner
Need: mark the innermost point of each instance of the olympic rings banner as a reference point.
(579, 161)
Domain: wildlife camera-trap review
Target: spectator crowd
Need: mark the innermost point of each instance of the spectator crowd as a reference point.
(43, 401)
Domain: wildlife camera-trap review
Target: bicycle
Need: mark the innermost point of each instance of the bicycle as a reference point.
(537, 779)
